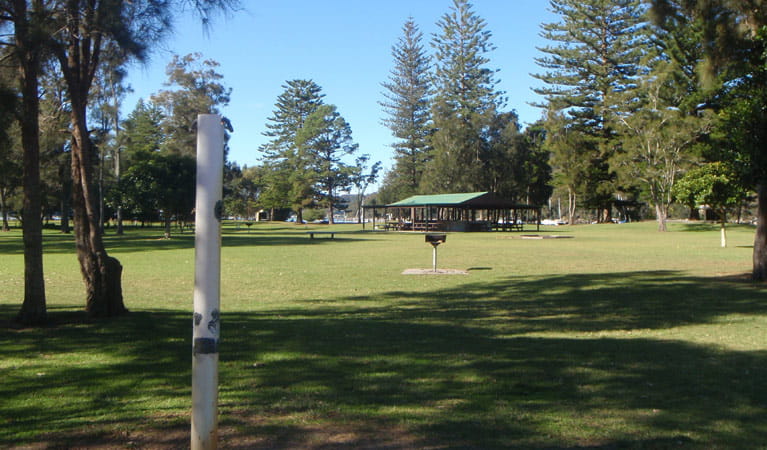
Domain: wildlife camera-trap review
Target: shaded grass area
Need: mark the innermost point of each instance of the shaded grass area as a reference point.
(597, 360)
(618, 338)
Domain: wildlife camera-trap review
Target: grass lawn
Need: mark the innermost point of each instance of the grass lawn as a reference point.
(621, 337)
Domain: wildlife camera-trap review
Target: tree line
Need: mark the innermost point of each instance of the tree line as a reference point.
(655, 101)
(52, 48)
(658, 101)
(643, 102)
(452, 132)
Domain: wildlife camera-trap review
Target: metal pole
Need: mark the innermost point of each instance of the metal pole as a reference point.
(207, 281)
(434, 257)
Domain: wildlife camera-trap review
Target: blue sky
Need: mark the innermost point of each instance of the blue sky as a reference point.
(345, 47)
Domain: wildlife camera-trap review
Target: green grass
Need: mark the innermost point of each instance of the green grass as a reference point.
(621, 337)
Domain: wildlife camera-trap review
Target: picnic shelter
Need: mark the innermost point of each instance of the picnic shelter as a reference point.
(470, 211)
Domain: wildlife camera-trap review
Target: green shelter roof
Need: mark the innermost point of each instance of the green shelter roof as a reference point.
(465, 200)
(458, 199)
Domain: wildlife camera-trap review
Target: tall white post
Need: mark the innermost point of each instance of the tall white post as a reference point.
(207, 281)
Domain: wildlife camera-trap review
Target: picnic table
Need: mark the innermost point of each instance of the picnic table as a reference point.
(312, 233)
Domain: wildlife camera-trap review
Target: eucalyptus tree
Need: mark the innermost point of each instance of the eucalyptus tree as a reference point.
(108, 93)
(196, 87)
(56, 179)
(661, 134)
(363, 175)
(734, 42)
(465, 100)
(407, 106)
(657, 148)
(591, 62)
(289, 181)
(568, 146)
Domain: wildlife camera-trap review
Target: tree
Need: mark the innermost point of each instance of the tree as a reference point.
(10, 176)
(107, 97)
(516, 166)
(324, 140)
(408, 93)
(465, 100)
(568, 145)
(85, 29)
(242, 191)
(363, 176)
(55, 161)
(142, 131)
(198, 91)
(288, 182)
(734, 42)
(594, 58)
(30, 24)
(9, 157)
(160, 184)
(714, 185)
(10, 169)
(75, 33)
(658, 145)
(661, 133)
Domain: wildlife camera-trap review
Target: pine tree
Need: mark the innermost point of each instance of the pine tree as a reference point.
(288, 182)
(594, 58)
(407, 96)
(465, 101)
(324, 141)
(142, 132)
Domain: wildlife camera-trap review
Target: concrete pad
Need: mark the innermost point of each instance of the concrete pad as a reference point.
(432, 272)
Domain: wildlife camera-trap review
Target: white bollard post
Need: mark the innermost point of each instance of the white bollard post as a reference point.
(207, 281)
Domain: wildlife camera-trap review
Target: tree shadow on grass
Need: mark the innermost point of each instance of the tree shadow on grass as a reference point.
(142, 242)
(708, 227)
(588, 302)
(510, 364)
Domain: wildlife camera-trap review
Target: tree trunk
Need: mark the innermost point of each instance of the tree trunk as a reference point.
(760, 240)
(118, 172)
(661, 212)
(570, 206)
(33, 309)
(723, 234)
(65, 206)
(4, 209)
(167, 226)
(694, 213)
(101, 273)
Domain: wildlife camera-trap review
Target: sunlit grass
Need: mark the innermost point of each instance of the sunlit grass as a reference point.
(619, 336)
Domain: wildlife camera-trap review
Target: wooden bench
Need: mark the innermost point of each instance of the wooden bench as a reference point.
(312, 233)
